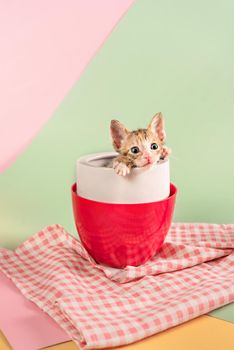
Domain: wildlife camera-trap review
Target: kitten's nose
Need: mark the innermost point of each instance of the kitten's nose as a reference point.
(147, 157)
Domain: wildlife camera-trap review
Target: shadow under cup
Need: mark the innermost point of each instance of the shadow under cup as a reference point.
(119, 235)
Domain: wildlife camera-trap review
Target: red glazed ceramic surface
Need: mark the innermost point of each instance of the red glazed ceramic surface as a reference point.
(123, 234)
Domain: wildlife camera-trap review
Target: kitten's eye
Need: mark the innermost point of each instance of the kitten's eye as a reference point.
(154, 146)
(135, 150)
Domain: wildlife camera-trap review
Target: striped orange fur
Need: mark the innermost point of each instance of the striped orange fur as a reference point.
(140, 147)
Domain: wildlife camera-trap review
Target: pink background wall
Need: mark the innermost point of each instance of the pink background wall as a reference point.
(45, 46)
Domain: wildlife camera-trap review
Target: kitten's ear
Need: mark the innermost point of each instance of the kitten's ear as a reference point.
(157, 126)
(118, 133)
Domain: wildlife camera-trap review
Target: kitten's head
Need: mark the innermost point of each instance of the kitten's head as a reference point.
(142, 146)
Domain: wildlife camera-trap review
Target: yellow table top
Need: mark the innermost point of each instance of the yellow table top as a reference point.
(205, 333)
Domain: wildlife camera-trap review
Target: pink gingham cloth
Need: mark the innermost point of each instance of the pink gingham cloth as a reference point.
(99, 306)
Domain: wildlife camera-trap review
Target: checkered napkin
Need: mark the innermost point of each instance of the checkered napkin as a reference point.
(99, 306)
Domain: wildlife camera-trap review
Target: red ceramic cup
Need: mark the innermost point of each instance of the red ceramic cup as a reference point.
(123, 234)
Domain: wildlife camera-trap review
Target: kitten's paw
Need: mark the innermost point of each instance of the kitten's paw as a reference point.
(121, 168)
(165, 153)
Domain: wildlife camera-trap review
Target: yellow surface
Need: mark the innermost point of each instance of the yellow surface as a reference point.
(204, 333)
(4, 345)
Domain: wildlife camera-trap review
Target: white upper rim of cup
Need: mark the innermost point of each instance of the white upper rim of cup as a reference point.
(99, 183)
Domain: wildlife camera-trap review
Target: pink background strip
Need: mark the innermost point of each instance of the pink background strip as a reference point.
(45, 46)
(20, 316)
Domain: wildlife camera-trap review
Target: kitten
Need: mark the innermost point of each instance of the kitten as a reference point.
(138, 148)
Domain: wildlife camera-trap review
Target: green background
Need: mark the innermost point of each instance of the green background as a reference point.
(176, 57)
